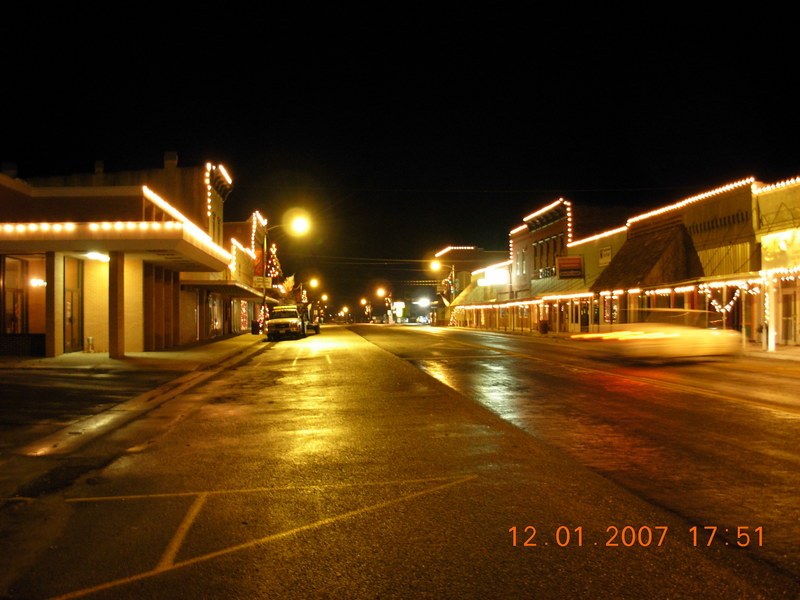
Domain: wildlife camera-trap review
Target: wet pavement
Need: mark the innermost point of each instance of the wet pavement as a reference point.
(85, 387)
(54, 406)
(329, 468)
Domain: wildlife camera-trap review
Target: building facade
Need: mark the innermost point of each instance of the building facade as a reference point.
(119, 262)
(732, 251)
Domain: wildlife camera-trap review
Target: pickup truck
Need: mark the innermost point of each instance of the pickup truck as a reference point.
(290, 320)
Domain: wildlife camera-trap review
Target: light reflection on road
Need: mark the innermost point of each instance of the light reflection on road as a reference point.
(696, 438)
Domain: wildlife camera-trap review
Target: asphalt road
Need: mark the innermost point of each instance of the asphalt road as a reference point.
(714, 441)
(330, 467)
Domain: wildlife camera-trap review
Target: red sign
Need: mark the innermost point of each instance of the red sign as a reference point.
(569, 267)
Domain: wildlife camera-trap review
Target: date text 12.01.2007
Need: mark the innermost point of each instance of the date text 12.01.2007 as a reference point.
(642, 536)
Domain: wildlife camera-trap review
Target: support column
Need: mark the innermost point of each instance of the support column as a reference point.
(148, 307)
(158, 308)
(54, 313)
(774, 318)
(116, 305)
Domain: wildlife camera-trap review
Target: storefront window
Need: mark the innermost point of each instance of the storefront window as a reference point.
(23, 295)
(13, 296)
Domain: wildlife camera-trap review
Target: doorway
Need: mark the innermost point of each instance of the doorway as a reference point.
(73, 304)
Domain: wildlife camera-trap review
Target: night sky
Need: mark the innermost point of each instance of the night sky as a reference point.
(409, 134)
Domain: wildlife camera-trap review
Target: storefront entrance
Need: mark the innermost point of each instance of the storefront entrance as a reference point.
(789, 318)
(73, 305)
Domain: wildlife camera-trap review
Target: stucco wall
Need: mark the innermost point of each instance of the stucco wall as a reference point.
(95, 304)
(134, 306)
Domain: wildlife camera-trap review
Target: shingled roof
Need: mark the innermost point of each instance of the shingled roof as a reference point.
(651, 258)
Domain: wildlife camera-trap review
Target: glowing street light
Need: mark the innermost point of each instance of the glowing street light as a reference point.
(300, 226)
(297, 221)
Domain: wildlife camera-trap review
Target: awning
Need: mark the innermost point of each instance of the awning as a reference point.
(234, 289)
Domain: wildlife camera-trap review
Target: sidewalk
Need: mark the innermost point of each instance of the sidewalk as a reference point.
(200, 356)
(753, 349)
(47, 454)
(195, 357)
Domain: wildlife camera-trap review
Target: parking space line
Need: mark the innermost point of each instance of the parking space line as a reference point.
(168, 558)
(165, 564)
(261, 489)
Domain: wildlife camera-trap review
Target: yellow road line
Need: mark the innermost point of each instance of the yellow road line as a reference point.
(168, 558)
(262, 489)
(166, 566)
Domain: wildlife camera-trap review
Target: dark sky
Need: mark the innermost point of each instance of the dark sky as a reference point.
(409, 134)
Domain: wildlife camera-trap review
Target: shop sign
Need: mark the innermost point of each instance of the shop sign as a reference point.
(569, 267)
(605, 256)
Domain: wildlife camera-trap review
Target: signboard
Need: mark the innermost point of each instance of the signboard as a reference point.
(605, 256)
(494, 277)
(780, 250)
(569, 267)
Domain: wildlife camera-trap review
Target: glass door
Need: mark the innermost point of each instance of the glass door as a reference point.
(788, 318)
(73, 304)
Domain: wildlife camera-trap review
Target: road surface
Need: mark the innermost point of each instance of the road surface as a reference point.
(386, 462)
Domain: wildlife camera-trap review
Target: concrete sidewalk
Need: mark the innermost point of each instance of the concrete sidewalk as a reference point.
(753, 349)
(197, 357)
(41, 453)
(193, 357)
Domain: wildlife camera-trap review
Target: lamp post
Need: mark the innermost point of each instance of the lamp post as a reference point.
(367, 309)
(436, 266)
(387, 297)
(298, 224)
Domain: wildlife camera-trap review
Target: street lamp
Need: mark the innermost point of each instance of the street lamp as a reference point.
(297, 223)
(387, 296)
(367, 309)
(436, 265)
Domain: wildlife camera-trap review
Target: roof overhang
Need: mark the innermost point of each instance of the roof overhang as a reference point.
(168, 244)
(227, 287)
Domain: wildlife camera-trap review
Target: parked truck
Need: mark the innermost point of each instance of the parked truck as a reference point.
(291, 321)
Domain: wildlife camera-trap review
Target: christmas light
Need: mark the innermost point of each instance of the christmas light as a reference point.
(449, 248)
(693, 199)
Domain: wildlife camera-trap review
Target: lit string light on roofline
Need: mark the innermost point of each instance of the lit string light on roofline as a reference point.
(449, 248)
(598, 236)
(209, 169)
(676, 206)
(34, 227)
(257, 220)
(567, 205)
(192, 229)
(750, 286)
(235, 244)
(780, 184)
(692, 200)
(92, 227)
